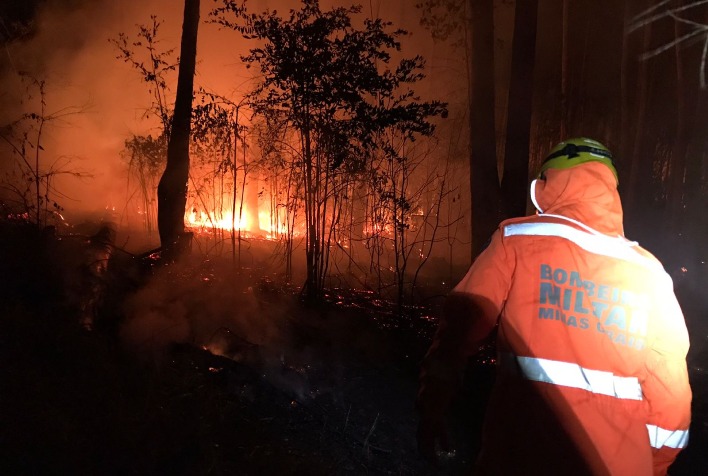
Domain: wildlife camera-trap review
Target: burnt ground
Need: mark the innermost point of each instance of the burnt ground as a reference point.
(323, 390)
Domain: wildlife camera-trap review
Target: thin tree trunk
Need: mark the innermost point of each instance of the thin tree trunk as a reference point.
(310, 219)
(547, 116)
(172, 189)
(633, 193)
(624, 90)
(234, 174)
(564, 73)
(243, 195)
(677, 167)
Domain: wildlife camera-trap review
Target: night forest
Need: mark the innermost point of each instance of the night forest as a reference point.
(227, 228)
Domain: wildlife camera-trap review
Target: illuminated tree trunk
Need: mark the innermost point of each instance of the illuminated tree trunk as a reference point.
(172, 189)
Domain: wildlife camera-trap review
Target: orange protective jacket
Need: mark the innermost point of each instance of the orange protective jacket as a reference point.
(592, 343)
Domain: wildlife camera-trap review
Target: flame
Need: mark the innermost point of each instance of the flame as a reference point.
(200, 219)
(377, 228)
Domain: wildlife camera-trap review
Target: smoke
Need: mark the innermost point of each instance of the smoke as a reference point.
(205, 305)
(69, 49)
(200, 305)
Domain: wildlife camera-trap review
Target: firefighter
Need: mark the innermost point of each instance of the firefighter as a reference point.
(591, 341)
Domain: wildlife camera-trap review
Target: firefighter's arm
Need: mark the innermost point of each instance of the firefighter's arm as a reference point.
(460, 332)
(666, 387)
(470, 315)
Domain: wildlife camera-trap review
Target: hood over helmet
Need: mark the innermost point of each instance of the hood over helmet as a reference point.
(578, 180)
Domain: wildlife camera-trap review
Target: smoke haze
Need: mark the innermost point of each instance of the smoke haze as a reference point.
(70, 50)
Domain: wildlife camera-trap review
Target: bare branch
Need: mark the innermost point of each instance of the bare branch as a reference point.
(637, 20)
(668, 46)
(702, 73)
(641, 23)
(687, 22)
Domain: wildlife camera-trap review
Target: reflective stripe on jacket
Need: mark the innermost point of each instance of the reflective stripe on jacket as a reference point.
(570, 374)
(592, 342)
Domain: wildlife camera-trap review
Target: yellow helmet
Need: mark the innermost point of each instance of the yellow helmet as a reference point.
(572, 152)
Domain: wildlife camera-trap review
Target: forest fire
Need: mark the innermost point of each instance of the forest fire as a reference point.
(199, 220)
(246, 222)
(343, 166)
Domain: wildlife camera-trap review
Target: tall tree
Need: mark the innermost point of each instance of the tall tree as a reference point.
(484, 177)
(471, 24)
(172, 189)
(550, 68)
(518, 131)
(146, 156)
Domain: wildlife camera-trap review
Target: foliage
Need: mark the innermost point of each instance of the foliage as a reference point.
(146, 156)
(445, 19)
(146, 159)
(218, 135)
(216, 125)
(146, 153)
(153, 65)
(333, 84)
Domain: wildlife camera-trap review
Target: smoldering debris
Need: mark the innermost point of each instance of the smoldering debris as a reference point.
(226, 343)
(190, 303)
(202, 305)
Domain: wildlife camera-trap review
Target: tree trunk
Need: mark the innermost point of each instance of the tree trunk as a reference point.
(548, 115)
(484, 178)
(637, 163)
(172, 189)
(677, 168)
(518, 131)
(564, 72)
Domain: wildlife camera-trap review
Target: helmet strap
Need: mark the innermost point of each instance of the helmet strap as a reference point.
(572, 150)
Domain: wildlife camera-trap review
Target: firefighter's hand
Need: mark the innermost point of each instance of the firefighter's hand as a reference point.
(432, 435)
(434, 400)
